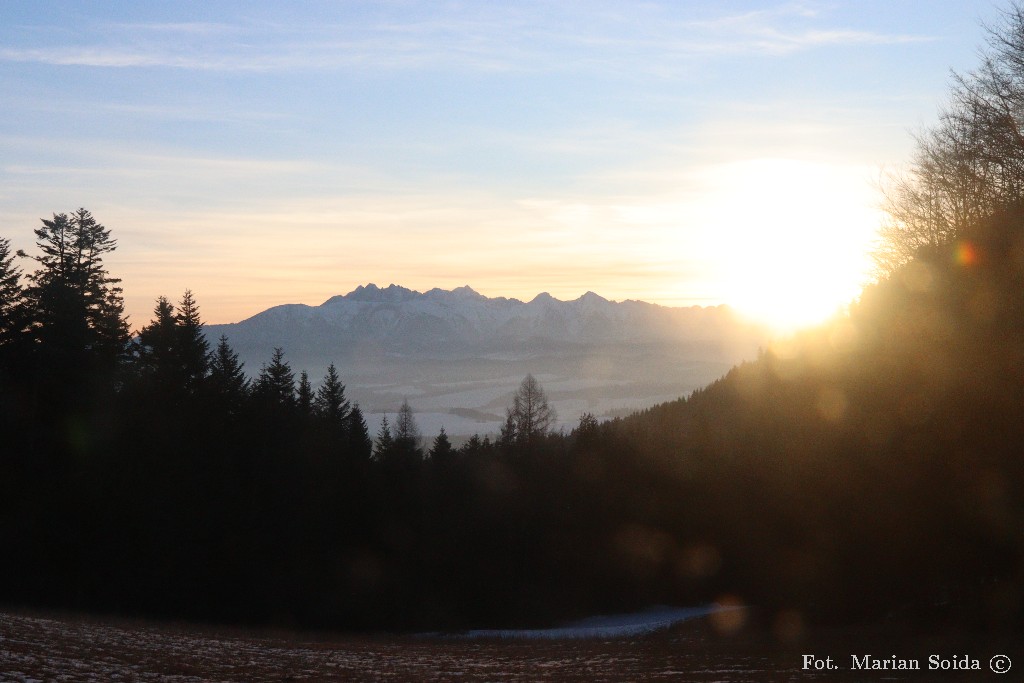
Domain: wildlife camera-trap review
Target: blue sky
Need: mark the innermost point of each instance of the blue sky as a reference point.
(677, 152)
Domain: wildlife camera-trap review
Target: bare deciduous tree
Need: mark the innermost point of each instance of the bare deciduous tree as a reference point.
(971, 164)
(530, 417)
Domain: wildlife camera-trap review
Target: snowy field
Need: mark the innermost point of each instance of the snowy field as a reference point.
(34, 648)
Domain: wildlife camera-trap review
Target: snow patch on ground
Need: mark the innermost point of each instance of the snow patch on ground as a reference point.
(609, 626)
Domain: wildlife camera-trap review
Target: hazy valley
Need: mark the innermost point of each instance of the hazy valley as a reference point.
(457, 356)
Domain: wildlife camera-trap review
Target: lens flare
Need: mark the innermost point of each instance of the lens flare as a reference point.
(966, 254)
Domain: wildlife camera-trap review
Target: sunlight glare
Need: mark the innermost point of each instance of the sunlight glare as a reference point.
(792, 238)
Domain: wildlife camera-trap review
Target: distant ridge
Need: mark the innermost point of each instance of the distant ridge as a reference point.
(458, 355)
(461, 321)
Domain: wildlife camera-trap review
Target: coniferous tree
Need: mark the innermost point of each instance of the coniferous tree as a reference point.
(441, 450)
(330, 403)
(360, 445)
(304, 395)
(508, 436)
(586, 433)
(276, 382)
(157, 348)
(193, 349)
(473, 447)
(104, 295)
(227, 381)
(13, 352)
(11, 311)
(75, 306)
(385, 444)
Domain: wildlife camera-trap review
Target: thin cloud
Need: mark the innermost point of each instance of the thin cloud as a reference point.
(653, 40)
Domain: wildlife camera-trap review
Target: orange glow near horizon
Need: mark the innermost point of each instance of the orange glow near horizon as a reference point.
(783, 242)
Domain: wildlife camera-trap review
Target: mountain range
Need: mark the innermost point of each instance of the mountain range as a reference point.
(458, 350)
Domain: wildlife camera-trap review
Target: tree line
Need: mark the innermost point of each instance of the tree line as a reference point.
(148, 473)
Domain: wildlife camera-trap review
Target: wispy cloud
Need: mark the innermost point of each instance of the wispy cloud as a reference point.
(648, 39)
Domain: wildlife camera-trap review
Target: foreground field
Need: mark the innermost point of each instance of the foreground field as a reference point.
(59, 648)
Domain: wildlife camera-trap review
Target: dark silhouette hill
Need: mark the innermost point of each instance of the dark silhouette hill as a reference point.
(874, 463)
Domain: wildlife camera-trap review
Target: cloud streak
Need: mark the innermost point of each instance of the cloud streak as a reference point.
(654, 41)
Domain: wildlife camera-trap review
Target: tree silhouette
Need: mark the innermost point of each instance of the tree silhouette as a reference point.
(172, 350)
(11, 312)
(275, 384)
(304, 395)
(192, 347)
(407, 435)
(969, 166)
(360, 446)
(76, 308)
(227, 381)
(330, 403)
(385, 443)
(529, 418)
(441, 450)
(157, 349)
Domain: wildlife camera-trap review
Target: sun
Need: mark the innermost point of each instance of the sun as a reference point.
(791, 239)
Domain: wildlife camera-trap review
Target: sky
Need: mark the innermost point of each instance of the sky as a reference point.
(678, 152)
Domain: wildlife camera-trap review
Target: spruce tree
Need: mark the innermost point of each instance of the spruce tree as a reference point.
(192, 348)
(442, 447)
(11, 318)
(330, 403)
(227, 381)
(157, 347)
(357, 434)
(304, 395)
(385, 444)
(276, 382)
(473, 447)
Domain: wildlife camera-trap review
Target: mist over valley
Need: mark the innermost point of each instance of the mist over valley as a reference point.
(457, 356)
